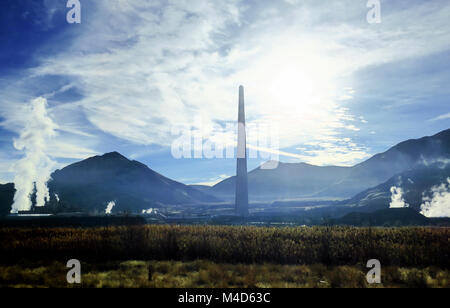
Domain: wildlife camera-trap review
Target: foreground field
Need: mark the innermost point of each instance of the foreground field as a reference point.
(206, 274)
(217, 256)
(404, 247)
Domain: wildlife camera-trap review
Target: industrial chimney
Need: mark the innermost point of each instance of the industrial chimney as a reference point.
(241, 169)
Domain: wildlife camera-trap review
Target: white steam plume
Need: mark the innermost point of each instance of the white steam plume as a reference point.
(149, 211)
(439, 204)
(36, 166)
(397, 200)
(110, 206)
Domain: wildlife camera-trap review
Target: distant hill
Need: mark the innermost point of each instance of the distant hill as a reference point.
(202, 188)
(288, 181)
(296, 181)
(7, 192)
(91, 184)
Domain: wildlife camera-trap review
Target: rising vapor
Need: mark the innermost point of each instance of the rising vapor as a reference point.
(34, 169)
(397, 200)
(438, 205)
(110, 207)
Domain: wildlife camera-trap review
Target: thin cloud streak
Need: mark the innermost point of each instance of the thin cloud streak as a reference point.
(144, 67)
(441, 117)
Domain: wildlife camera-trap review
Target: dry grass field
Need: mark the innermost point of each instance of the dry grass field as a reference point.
(217, 256)
(207, 274)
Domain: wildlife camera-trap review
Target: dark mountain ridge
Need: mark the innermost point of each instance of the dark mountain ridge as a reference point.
(7, 192)
(92, 183)
(297, 181)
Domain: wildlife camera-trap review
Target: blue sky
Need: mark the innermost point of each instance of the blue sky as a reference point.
(336, 88)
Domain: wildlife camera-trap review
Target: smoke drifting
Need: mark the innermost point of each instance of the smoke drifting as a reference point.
(397, 200)
(34, 169)
(439, 203)
(109, 207)
(149, 211)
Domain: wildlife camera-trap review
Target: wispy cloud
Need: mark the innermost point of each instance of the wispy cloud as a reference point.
(441, 117)
(144, 67)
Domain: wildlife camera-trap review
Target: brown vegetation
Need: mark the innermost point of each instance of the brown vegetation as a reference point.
(336, 246)
(206, 274)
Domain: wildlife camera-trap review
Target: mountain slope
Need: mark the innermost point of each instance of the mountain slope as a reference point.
(415, 183)
(92, 183)
(397, 159)
(290, 181)
(7, 192)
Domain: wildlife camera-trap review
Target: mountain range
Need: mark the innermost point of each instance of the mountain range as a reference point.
(92, 183)
(300, 180)
(130, 186)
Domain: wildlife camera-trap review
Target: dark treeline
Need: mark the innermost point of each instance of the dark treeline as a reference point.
(71, 221)
(408, 247)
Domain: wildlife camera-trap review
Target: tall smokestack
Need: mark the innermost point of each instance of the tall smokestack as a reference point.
(241, 170)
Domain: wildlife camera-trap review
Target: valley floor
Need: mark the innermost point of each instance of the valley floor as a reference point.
(207, 274)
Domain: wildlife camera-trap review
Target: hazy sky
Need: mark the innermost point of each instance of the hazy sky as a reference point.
(337, 88)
